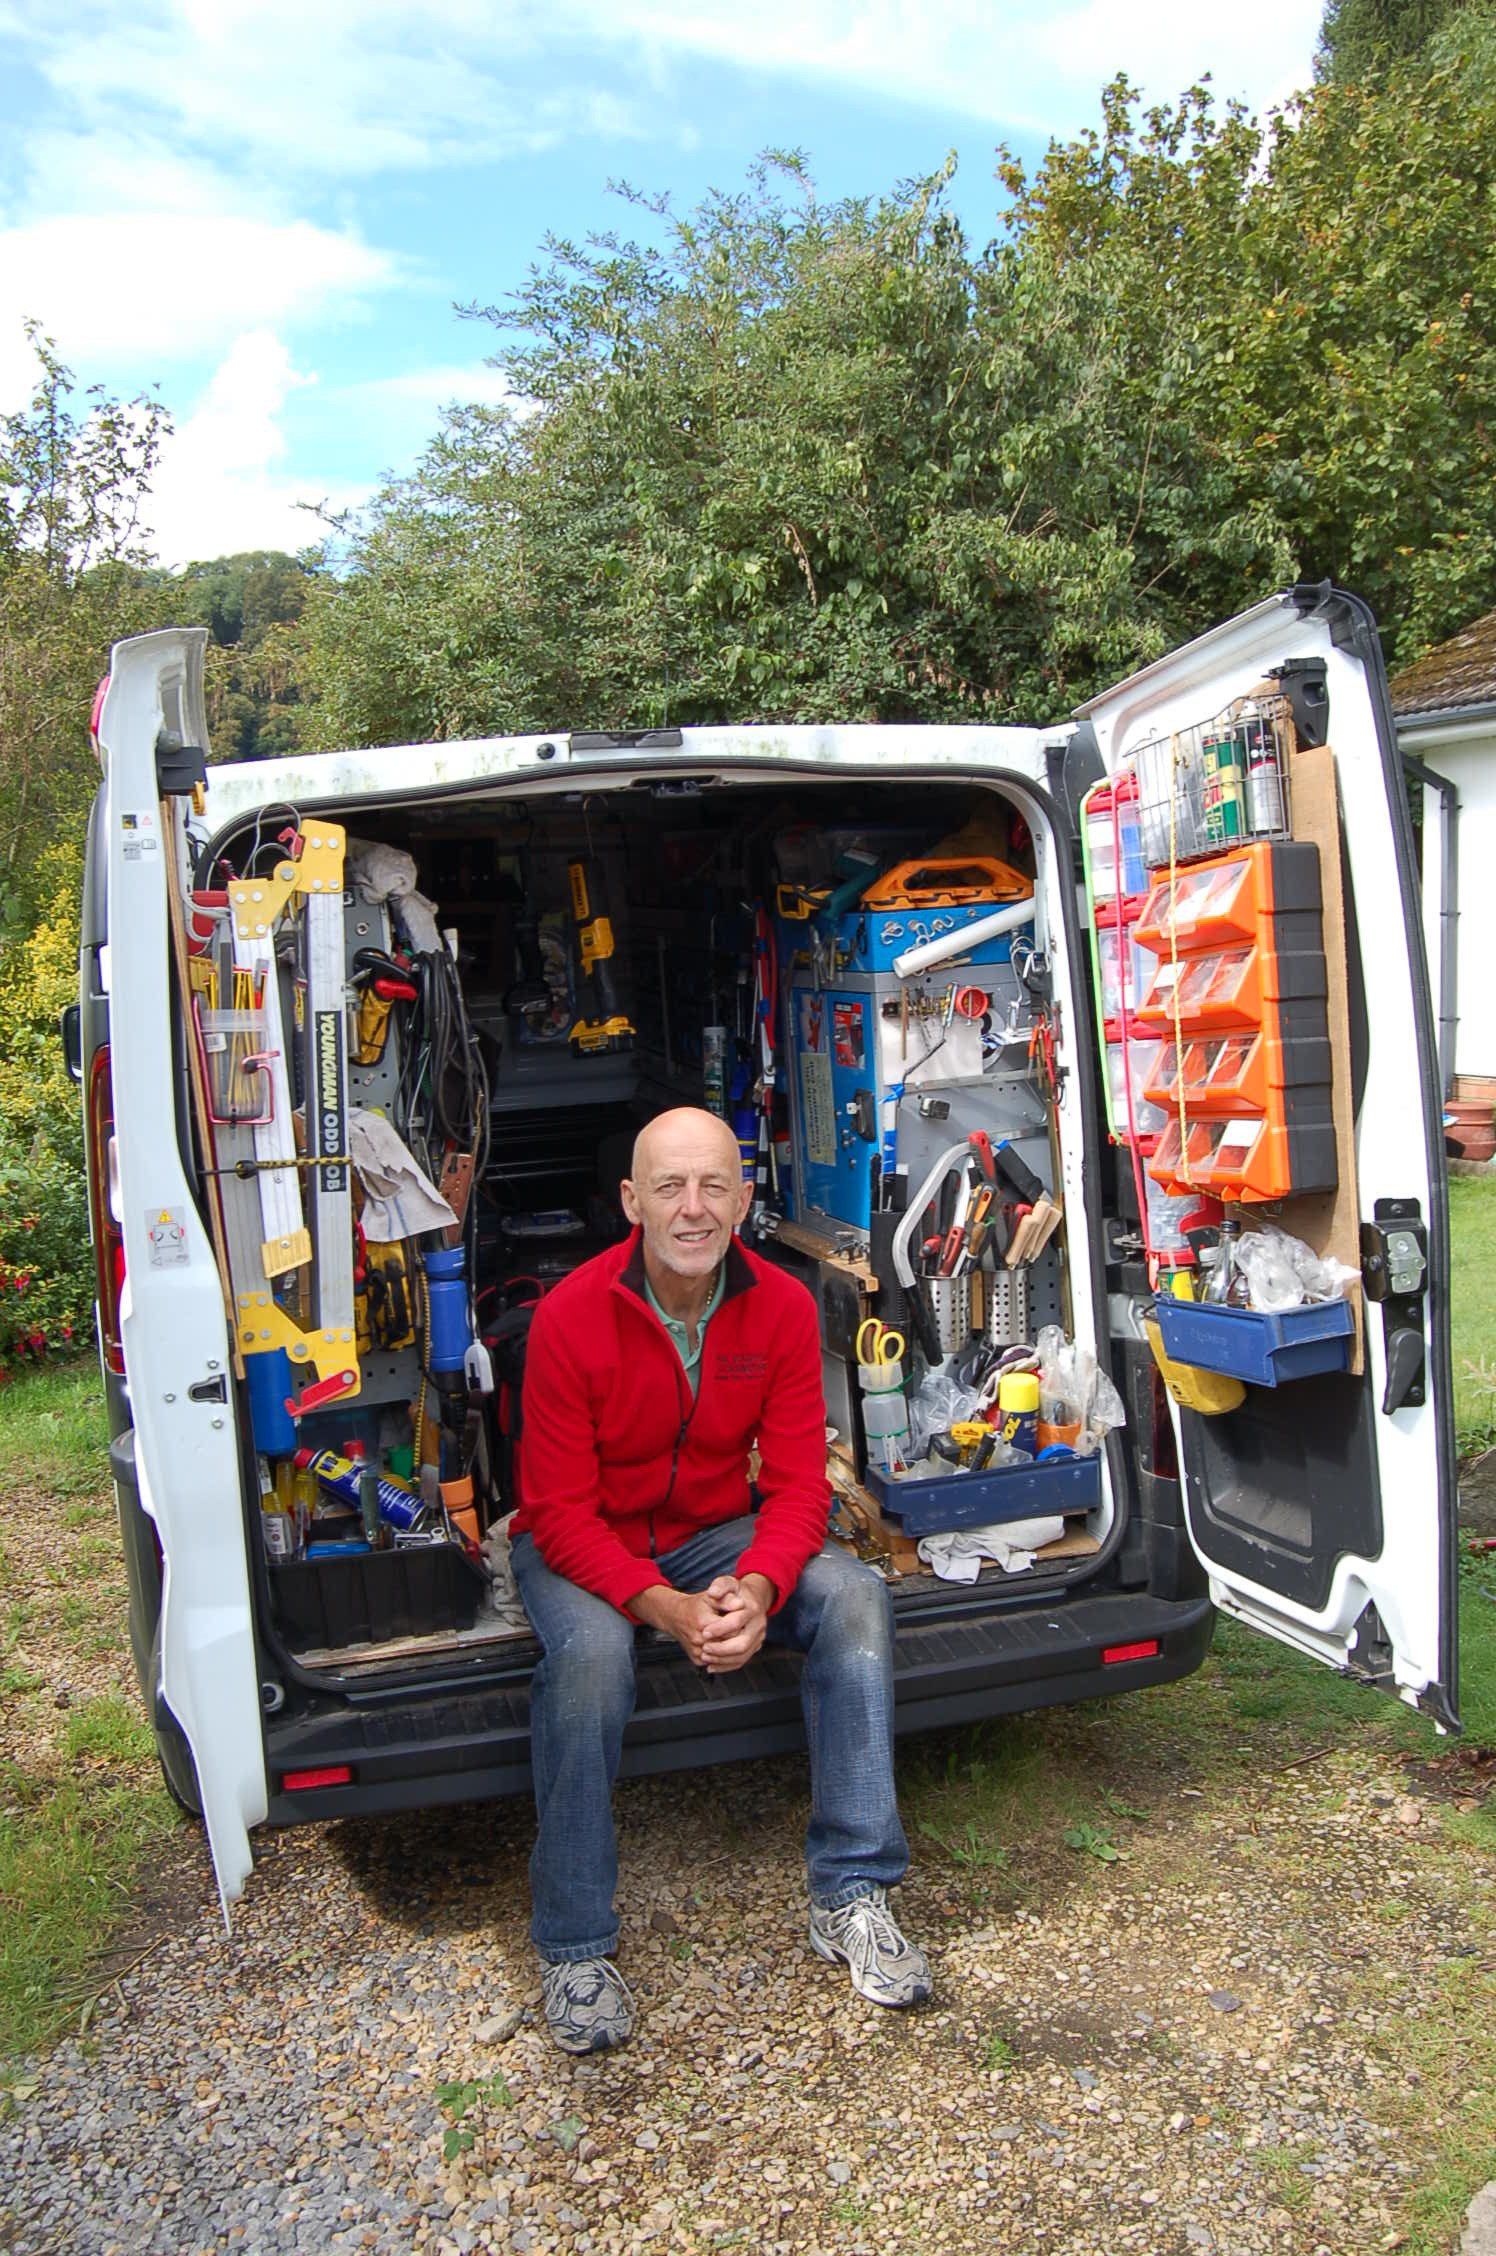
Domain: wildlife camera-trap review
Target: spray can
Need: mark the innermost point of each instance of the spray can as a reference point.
(341, 1476)
(1225, 787)
(714, 1069)
(1266, 813)
(1018, 1410)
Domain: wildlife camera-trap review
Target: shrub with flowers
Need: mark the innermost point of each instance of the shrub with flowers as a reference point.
(46, 1263)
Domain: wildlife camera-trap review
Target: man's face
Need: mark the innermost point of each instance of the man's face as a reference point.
(688, 1194)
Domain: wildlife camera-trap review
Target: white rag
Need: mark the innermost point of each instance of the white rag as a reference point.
(400, 1199)
(503, 1602)
(958, 1557)
(387, 873)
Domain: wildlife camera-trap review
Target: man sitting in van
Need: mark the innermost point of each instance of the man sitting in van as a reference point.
(651, 1373)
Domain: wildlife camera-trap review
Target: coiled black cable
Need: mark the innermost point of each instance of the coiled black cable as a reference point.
(442, 1098)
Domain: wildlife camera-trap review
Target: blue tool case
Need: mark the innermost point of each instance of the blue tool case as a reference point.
(869, 939)
(950, 1501)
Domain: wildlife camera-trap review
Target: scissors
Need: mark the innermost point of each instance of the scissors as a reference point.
(887, 1345)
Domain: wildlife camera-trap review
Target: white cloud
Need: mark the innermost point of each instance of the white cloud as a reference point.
(341, 89)
(220, 486)
(335, 89)
(166, 286)
(1261, 53)
(447, 385)
(1010, 63)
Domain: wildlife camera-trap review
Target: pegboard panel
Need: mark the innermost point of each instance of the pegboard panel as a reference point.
(1045, 1306)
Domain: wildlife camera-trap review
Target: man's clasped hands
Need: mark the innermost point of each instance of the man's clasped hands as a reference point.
(718, 1628)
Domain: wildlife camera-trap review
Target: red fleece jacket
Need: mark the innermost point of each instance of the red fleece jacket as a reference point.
(618, 1462)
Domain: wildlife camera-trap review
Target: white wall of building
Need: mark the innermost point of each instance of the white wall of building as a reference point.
(1465, 752)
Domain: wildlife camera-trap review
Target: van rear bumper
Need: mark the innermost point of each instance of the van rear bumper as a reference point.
(418, 1753)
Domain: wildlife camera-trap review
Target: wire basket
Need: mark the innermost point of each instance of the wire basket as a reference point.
(1219, 784)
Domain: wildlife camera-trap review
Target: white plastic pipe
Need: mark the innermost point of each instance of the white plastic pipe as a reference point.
(950, 944)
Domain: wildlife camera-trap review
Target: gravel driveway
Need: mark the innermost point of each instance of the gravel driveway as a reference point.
(1197, 2048)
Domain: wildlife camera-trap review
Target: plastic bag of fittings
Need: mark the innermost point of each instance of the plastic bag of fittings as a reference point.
(1282, 1272)
(1077, 1402)
(939, 1402)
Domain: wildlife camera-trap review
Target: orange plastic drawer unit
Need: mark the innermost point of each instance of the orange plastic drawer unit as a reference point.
(1224, 988)
(1235, 1073)
(1201, 906)
(1238, 995)
(1237, 897)
(1245, 1160)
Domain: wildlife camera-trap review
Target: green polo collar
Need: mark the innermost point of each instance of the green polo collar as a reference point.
(690, 1363)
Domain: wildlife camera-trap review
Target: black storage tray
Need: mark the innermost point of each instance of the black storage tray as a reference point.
(1009, 1492)
(373, 1595)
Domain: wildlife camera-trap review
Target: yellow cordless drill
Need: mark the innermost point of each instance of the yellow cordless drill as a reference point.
(607, 1028)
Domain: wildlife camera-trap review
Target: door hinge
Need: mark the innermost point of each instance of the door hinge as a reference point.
(181, 768)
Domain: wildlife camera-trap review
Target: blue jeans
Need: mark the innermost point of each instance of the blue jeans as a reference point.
(582, 1695)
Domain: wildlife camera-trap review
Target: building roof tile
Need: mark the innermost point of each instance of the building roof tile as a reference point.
(1459, 672)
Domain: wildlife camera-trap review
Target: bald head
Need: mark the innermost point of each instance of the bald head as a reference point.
(687, 1128)
(687, 1195)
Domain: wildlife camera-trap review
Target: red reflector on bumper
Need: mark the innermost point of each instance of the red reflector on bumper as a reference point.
(1143, 1650)
(298, 1781)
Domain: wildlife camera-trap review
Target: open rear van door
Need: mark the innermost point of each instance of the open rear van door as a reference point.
(1323, 1508)
(173, 1323)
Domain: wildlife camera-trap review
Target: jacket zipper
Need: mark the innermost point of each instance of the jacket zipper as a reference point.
(680, 1381)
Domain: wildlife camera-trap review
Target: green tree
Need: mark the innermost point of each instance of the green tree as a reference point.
(74, 472)
(803, 460)
(1303, 331)
(1360, 37)
(73, 476)
(250, 605)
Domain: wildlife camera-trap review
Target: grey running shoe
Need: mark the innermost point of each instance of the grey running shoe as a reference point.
(588, 2004)
(885, 1966)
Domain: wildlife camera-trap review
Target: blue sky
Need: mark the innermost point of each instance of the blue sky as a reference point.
(268, 209)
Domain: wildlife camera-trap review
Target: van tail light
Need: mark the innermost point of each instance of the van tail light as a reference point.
(302, 1781)
(1143, 1649)
(108, 1239)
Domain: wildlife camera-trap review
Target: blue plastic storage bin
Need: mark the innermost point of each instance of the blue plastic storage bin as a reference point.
(1010, 1492)
(1247, 1344)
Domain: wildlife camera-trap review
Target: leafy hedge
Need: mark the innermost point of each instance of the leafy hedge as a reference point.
(46, 1263)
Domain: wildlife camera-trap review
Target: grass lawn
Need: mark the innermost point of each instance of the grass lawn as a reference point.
(81, 1800)
(1472, 1231)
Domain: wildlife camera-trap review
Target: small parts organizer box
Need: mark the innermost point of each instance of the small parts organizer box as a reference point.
(1236, 1003)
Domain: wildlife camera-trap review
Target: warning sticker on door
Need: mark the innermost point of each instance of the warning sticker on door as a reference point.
(139, 833)
(818, 1107)
(166, 1237)
(817, 1096)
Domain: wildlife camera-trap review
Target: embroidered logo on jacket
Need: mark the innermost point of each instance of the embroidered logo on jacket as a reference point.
(740, 1367)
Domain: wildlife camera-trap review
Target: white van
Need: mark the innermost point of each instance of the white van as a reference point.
(344, 1672)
